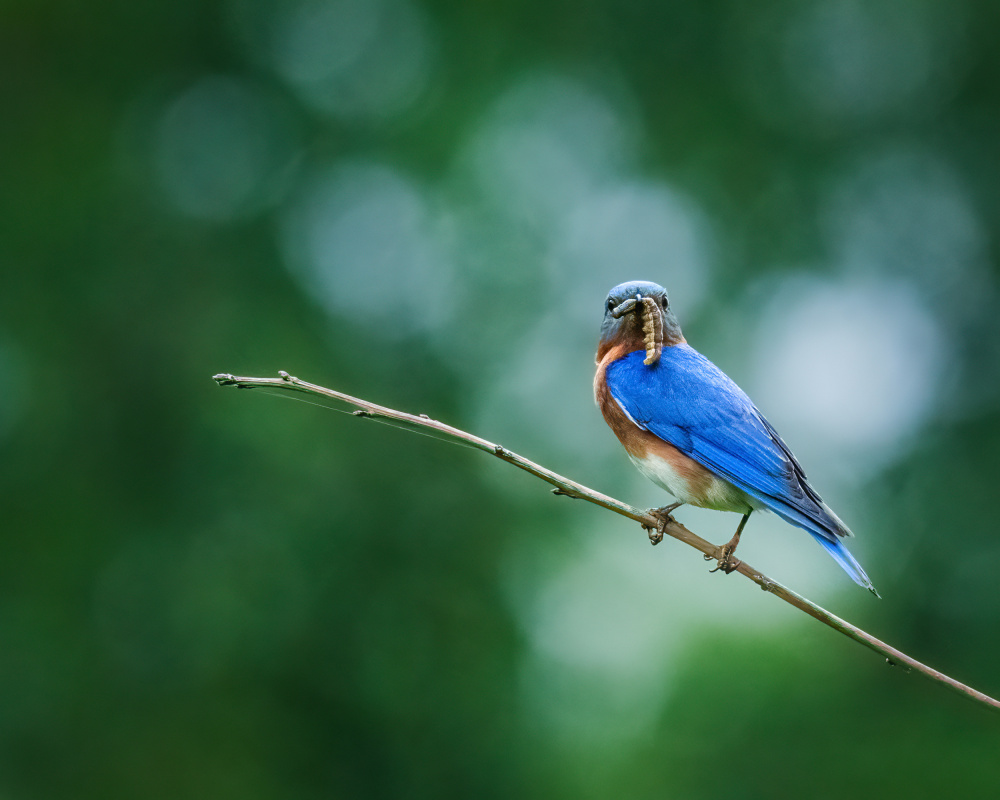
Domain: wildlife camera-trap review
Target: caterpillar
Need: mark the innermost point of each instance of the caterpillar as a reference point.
(652, 328)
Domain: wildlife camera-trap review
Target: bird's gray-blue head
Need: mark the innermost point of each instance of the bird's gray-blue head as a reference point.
(637, 314)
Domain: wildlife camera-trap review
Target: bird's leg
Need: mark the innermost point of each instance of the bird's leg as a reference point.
(725, 554)
(662, 518)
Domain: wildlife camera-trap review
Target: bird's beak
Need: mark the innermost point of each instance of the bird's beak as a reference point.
(629, 305)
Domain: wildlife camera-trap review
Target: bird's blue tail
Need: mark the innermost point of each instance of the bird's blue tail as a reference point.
(846, 560)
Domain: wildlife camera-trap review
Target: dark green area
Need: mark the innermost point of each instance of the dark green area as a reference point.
(222, 595)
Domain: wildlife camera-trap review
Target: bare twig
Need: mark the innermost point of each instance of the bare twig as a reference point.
(564, 486)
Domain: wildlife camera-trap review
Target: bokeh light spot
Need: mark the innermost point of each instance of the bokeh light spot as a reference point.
(608, 623)
(223, 150)
(354, 59)
(547, 142)
(905, 212)
(848, 369)
(362, 239)
(631, 231)
(847, 57)
(823, 66)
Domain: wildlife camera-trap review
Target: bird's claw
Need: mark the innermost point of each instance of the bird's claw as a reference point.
(663, 517)
(655, 534)
(724, 558)
(724, 555)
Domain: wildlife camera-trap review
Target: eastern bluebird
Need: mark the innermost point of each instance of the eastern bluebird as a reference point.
(691, 430)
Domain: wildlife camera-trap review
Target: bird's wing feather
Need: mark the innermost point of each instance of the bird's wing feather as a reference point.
(689, 402)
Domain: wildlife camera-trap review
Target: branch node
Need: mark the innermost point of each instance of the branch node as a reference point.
(566, 493)
(284, 375)
(224, 379)
(501, 451)
(362, 413)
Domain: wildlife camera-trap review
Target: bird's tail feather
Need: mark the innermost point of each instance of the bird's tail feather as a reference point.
(843, 557)
(824, 527)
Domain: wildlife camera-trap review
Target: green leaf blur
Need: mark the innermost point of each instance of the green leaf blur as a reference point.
(215, 594)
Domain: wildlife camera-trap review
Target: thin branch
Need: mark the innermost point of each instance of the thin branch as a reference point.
(564, 486)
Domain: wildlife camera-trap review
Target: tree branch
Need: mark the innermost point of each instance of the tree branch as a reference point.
(564, 486)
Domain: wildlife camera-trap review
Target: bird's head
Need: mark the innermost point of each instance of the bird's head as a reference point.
(638, 314)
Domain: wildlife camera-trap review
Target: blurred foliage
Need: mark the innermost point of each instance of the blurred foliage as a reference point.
(207, 594)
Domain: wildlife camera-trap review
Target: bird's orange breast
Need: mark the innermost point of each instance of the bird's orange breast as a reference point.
(659, 460)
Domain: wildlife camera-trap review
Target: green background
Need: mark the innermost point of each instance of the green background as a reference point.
(206, 593)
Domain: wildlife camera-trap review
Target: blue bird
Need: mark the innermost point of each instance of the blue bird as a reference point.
(692, 431)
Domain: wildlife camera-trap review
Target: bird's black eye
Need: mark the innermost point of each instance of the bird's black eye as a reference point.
(611, 304)
(663, 301)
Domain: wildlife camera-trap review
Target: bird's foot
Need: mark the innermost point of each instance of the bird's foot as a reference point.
(724, 555)
(663, 516)
(724, 558)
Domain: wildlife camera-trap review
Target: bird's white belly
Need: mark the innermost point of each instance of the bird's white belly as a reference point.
(662, 473)
(718, 494)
